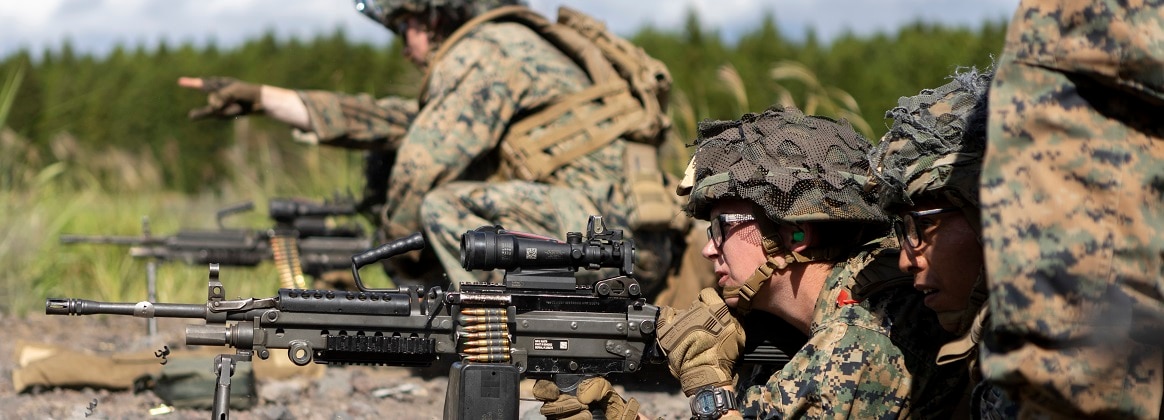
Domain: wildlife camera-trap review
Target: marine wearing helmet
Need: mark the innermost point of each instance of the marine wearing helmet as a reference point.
(796, 170)
(926, 169)
(794, 233)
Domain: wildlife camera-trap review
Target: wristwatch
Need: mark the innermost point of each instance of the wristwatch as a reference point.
(712, 402)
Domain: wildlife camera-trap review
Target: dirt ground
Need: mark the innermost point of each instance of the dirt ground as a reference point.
(347, 392)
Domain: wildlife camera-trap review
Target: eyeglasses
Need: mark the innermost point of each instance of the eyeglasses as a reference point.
(909, 230)
(719, 226)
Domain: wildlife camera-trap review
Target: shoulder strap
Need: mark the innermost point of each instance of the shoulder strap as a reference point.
(526, 15)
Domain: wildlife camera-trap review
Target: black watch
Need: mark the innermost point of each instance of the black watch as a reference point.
(710, 403)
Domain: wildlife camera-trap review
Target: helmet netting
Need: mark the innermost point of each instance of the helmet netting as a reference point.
(797, 168)
(935, 150)
(936, 144)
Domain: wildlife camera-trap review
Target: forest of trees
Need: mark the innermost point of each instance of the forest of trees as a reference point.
(129, 100)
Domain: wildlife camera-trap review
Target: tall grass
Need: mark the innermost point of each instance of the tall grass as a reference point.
(108, 192)
(34, 265)
(818, 99)
(8, 91)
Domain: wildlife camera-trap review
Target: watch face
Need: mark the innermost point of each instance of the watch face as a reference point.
(704, 403)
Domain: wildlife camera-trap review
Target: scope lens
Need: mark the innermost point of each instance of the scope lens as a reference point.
(483, 250)
(490, 249)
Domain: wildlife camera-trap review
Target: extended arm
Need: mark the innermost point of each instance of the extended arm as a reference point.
(331, 118)
(284, 105)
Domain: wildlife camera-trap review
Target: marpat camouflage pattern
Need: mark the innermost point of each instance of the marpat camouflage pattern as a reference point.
(870, 359)
(1072, 210)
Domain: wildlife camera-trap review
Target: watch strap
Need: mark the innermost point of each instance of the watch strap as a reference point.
(723, 399)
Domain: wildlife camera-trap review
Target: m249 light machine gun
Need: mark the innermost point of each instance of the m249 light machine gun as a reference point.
(304, 240)
(539, 322)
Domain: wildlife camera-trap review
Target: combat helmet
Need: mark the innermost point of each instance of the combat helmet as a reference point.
(935, 147)
(455, 12)
(934, 150)
(794, 168)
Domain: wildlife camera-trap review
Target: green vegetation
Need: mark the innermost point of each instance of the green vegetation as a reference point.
(68, 198)
(94, 144)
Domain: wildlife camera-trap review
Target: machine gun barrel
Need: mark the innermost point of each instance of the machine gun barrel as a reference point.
(78, 307)
(111, 240)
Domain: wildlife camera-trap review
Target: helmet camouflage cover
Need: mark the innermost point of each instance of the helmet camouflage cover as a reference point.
(935, 146)
(934, 150)
(797, 168)
(386, 11)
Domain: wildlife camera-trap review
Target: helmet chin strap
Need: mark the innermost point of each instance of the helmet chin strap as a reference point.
(763, 273)
(779, 258)
(745, 291)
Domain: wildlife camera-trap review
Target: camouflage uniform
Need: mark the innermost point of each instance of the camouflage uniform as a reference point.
(872, 345)
(934, 151)
(356, 121)
(485, 82)
(1073, 213)
(871, 359)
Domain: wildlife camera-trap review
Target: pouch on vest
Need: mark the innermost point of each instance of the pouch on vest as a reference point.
(630, 87)
(651, 206)
(190, 383)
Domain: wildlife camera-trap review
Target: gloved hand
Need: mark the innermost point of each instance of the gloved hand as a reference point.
(702, 342)
(559, 406)
(227, 97)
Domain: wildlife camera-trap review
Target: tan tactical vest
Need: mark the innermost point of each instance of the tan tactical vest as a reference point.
(632, 87)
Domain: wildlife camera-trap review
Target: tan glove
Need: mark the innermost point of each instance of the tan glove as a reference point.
(559, 406)
(702, 342)
(228, 98)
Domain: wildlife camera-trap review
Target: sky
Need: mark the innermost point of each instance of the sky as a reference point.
(96, 26)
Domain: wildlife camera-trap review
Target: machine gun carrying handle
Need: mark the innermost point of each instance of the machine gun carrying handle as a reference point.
(240, 208)
(413, 242)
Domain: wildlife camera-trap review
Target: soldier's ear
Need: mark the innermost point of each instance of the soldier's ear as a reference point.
(802, 237)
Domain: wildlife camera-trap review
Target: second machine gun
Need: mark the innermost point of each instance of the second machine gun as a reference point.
(302, 241)
(540, 322)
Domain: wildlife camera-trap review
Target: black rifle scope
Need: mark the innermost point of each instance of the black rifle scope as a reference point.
(491, 247)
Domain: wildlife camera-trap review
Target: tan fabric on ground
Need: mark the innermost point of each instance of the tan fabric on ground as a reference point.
(48, 365)
(41, 364)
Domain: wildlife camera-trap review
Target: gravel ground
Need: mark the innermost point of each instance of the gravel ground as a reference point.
(349, 392)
